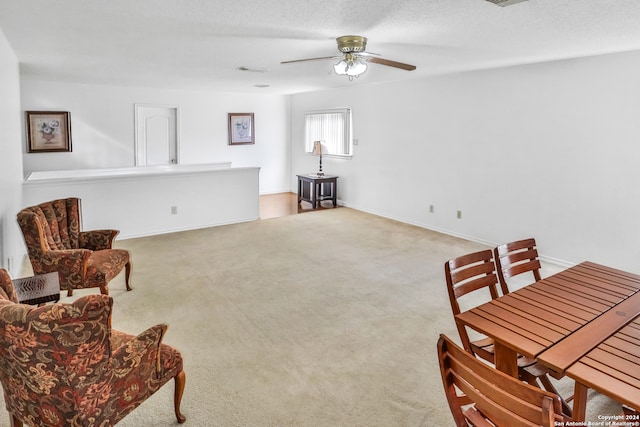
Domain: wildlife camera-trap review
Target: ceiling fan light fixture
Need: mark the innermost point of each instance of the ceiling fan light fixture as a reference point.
(341, 67)
(356, 68)
(351, 66)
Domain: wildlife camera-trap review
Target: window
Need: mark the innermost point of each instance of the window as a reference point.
(331, 126)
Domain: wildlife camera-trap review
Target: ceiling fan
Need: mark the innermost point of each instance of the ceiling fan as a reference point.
(354, 58)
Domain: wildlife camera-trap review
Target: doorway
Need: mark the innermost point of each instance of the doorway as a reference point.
(156, 135)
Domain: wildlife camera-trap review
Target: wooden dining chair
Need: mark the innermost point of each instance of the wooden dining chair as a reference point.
(516, 258)
(464, 275)
(480, 395)
(472, 273)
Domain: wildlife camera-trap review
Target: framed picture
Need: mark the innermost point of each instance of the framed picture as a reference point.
(241, 129)
(48, 131)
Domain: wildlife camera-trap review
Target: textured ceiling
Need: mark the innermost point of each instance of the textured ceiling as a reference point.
(199, 44)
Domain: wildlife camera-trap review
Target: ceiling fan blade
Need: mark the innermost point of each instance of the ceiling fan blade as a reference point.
(368, 54)
(312, 59)
(390, 63)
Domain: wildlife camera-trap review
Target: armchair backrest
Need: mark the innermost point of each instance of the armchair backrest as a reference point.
(53, 225)
(54, 359)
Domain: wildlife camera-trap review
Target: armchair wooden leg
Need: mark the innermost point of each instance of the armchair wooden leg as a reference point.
(69, 292)
(15, 422)
(180, 381)
(127, 272)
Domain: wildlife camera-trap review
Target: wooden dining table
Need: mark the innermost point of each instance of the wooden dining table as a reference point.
(583, 322)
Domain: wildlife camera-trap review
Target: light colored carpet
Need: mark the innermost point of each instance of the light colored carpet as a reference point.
(326, 318)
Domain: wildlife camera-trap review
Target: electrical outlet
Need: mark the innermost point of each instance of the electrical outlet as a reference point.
(431, 208)
(459, 214)
(174, 210)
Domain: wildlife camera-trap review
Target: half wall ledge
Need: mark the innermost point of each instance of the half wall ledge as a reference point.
(124, 171)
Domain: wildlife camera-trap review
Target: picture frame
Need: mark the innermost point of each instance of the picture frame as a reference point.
(241, 129)
(48, 131)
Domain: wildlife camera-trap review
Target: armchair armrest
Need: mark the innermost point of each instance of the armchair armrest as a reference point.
(97, 239)
(7, 291)
(66, 262)
(145, 348)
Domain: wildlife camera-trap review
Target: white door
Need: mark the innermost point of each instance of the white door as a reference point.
(156, 134)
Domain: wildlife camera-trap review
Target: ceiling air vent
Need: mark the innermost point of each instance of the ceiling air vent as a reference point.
(504, 3)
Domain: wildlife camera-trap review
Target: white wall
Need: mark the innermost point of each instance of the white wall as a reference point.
(102, 122)
(11, 148)
(140, 202)
(548, 150)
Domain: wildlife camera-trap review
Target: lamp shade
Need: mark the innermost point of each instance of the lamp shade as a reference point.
(319, 148)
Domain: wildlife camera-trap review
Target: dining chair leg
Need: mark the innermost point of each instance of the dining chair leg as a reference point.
(528, 378)
(548, 385)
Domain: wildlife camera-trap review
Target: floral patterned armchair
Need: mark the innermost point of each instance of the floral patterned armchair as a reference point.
(63, 365)
(83, 259)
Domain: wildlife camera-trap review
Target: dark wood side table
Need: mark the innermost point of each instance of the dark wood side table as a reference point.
(314, 189)
(38, 289)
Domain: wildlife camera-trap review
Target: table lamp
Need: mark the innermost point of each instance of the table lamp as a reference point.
(318, 150)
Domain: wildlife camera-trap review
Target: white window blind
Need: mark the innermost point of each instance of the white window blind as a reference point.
(331, 126)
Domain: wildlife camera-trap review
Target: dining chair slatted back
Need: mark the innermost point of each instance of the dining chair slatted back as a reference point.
(516, 258)
(466, 274)
(480, 395)
(472, 273)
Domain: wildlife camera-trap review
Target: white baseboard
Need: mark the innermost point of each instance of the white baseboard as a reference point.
(491, 244)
